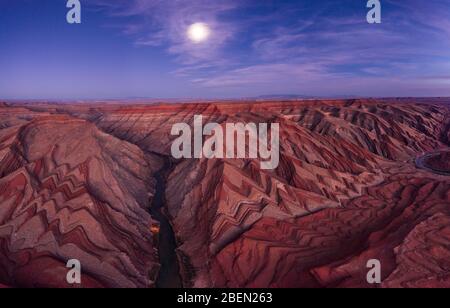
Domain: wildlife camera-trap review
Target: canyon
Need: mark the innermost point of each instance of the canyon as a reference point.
(96, 182)
(236, 141)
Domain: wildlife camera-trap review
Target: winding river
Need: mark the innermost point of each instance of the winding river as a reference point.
(169, 274)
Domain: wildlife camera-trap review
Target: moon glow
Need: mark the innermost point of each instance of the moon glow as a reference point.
(198, 32)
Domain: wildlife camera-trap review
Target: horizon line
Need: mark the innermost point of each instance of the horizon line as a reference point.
(218, 99)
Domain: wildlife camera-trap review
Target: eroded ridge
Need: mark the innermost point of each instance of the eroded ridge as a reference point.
(347, 190)
(69, 191)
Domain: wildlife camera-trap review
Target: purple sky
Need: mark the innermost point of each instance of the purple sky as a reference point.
(139, 48)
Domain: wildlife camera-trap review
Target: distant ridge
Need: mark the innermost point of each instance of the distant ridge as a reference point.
(284, 96)
(299, 97)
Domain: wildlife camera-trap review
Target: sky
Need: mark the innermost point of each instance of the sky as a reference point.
(141, 49)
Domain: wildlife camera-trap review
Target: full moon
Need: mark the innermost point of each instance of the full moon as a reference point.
(198, 32)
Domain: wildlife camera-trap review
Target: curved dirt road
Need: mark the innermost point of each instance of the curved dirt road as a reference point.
(421, 162)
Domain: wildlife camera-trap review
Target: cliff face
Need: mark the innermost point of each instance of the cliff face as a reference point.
(77, 181)
(346, 191)
(70, 191)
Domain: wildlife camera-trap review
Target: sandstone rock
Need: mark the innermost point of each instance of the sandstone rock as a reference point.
(76, 182)
(70, 191)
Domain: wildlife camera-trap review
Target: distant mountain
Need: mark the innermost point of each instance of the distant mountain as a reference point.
(283, 96)
(299, 97)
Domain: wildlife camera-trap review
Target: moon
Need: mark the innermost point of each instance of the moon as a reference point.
(198, 32)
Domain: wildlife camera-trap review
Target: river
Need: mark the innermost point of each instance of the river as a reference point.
(169, 274)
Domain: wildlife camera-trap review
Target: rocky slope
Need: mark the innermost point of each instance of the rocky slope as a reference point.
(70, 191)
(253, 224)
(346, 191)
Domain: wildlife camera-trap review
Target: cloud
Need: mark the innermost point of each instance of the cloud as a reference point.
(264, 75)
(317, 80)
(294, 47)
(432, 16)
(165, 23)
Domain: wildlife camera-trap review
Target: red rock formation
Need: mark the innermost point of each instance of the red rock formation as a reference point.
(346, 191)
(423, 257)
(229, 214)
(69, 191)
(331, 248)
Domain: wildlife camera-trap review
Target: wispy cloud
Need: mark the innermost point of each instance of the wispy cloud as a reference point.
(165, 23)
(301, 46)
